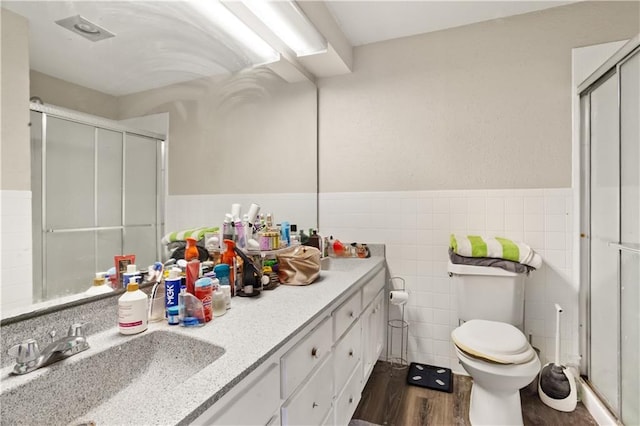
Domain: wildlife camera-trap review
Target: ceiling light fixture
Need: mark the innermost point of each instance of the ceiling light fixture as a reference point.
(87, 29)
(290, 24)
(260, 52)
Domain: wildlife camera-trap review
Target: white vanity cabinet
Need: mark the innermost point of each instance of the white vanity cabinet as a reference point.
(317, 377)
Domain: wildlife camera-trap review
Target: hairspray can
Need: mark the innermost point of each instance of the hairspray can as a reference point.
(172, 288)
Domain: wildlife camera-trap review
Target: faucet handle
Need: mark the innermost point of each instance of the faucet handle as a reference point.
(25, 352)
(77, 329)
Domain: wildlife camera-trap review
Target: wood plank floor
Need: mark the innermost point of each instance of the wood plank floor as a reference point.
(388, 400)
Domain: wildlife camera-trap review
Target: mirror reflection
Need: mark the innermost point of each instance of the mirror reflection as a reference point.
(190, 123)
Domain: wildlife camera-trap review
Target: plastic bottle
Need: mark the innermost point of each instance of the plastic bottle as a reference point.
(285, 233)
(294, 237)
(99, 286)
(133, 309)
(219, 302)
(229, 257)
(204, 293)
(226, 289)
(172, 287)
(222, 273)
(227, 228)
(191, 251)
(132, 271)
(191, 312)
(241, 241)
(314, 240)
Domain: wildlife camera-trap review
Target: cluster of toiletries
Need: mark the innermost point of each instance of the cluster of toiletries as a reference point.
(254, 232)
(182, 294)
(119, 275)
(335, 248)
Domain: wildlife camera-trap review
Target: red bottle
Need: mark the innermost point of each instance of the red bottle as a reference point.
(204, 293)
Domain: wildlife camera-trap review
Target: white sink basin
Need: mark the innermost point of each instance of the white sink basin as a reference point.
(137, 371)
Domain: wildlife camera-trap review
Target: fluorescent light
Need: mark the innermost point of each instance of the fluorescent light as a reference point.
(259, 51)
(291, 26)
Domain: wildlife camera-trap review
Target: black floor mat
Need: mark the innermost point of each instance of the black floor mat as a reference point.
(429, 376)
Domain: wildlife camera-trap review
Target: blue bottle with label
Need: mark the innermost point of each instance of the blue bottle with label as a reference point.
(172, 288)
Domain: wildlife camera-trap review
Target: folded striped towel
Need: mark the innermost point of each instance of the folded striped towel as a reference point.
(496, 247)
(197, 233)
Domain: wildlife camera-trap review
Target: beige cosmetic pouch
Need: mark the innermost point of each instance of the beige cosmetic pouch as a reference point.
(299, 265)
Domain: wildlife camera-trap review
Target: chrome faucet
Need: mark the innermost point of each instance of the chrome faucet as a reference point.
(29, 357)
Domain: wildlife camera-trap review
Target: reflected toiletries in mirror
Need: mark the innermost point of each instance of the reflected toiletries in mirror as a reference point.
(183, 122)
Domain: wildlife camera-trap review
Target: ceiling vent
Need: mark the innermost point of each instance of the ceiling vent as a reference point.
(85, 28)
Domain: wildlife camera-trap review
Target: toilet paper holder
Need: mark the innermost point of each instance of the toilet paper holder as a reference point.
(397, 327)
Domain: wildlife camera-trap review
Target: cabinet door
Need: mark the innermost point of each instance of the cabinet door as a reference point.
(347, 401)
(373, 334)
(312, 402)
(380, 326)
(255, 402)
(346, 354)
(304, 357)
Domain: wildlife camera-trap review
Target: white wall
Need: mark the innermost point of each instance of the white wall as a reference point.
(481, 106)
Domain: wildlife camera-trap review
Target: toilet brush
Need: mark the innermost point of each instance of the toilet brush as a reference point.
(557, 386)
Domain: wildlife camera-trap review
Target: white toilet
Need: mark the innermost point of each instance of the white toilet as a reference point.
(490, 344)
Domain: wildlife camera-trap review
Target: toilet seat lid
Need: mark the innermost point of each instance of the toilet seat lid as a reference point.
(494, 341)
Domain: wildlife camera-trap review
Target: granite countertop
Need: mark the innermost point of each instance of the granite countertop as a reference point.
(250, 332)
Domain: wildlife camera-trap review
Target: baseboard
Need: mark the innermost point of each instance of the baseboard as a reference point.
(596, 408)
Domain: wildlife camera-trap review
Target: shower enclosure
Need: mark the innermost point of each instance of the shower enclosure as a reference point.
(610, 226)
(97, 192)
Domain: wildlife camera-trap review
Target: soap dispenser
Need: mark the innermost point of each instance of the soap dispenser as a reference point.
(133, 309)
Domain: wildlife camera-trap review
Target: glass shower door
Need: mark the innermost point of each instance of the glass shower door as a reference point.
(612, 107)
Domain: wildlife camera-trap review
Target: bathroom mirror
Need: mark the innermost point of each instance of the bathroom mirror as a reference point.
(236, 132)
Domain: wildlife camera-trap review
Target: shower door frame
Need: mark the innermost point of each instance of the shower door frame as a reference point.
(97, 123)
(610, 69)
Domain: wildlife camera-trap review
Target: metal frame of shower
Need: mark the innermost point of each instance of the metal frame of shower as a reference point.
(97, 122)
(611, 68)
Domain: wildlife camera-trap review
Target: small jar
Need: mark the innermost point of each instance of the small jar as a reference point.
(173, 315)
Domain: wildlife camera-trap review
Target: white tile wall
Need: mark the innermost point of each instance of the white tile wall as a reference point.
(15, 249)
(416, 226)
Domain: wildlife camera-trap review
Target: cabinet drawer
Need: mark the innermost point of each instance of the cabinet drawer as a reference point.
(260, 394)
(304, 357)
(347, 401)
(372, 288)
(310, 405)
(346, 355)
(346, 314)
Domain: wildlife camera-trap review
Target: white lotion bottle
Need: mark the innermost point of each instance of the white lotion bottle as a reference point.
(133, 309)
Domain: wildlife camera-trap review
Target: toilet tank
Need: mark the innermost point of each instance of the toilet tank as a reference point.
(488, 293)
